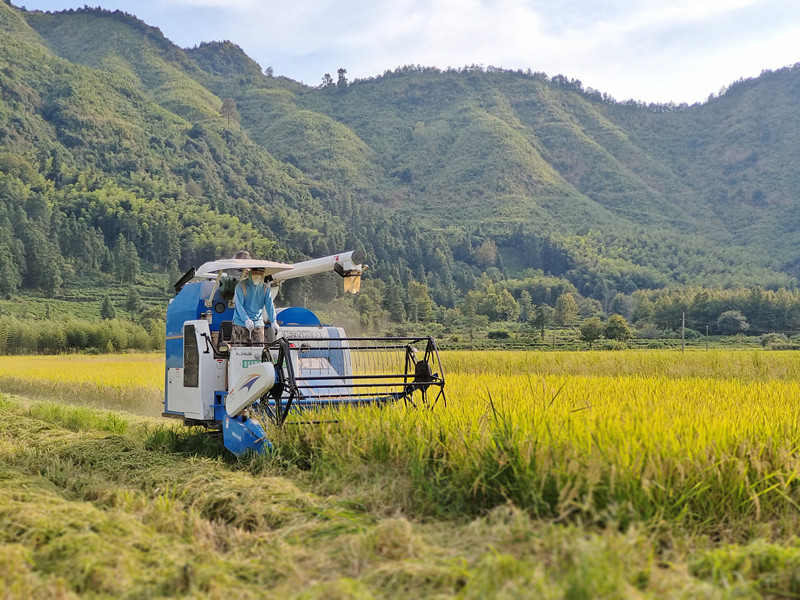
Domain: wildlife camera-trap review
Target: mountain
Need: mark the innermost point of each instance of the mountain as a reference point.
(116, 142)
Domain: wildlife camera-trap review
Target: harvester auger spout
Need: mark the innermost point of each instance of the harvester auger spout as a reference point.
(241, 388)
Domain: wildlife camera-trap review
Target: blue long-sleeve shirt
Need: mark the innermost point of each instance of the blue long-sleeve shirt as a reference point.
(252, 302)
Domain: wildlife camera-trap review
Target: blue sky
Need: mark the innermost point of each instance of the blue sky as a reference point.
(649, 50)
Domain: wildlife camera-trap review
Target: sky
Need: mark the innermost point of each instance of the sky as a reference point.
(647, 50)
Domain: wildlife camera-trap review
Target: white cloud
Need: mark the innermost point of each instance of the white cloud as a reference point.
(237, 5)
(644, 49)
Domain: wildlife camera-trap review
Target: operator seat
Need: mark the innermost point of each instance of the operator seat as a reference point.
(226, 331)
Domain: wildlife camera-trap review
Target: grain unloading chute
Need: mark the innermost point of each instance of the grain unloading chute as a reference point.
(241, 388)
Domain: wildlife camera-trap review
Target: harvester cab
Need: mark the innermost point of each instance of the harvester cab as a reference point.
(243, 388)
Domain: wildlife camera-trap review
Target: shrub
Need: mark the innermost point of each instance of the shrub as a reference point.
(732, 322)
(48, 337)
(692, 334)
(611, 345)
(617, 328)
(772, 339)
(77, 333)
(648, 331)
(498, 335)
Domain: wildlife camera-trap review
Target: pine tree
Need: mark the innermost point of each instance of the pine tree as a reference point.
(525, 306)
(341, 82)
(107, 310)
(229, 111)
(394, 303)
(10, 278)
(126, 260)
(421, 301)
(133, 301)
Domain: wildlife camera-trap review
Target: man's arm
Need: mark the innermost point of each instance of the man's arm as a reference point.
(239, 315)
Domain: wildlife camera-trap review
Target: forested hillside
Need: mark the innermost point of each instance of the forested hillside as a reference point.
(123, 155)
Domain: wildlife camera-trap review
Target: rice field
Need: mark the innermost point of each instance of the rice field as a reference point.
(708, 441)
(642, 474)
(131, 382)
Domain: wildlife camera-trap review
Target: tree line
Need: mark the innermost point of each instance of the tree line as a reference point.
(538, 301)
(55, 336)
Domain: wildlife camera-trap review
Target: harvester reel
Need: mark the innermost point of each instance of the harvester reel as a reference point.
(331, 372)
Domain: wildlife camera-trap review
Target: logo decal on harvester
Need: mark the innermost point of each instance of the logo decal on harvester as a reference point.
(249, 383)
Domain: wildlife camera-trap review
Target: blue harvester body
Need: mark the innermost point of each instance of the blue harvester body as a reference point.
(242, 390)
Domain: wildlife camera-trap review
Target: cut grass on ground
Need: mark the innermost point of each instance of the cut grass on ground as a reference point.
(100, 506)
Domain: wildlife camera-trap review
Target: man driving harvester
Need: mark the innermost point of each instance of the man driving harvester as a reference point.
(252, 303)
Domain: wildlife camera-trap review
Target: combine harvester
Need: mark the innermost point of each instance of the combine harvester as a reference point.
(239, 388)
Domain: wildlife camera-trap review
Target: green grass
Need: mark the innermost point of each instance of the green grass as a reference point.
(80, 298)
(78, 418)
